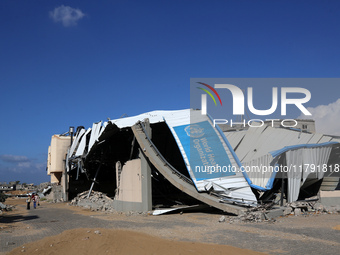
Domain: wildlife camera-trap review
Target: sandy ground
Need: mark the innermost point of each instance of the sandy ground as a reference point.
(108, 241)
(104, 241)
(187, 233)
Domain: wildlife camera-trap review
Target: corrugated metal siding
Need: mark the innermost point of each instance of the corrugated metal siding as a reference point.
(257, 142)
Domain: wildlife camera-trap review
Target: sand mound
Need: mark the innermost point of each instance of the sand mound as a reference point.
(337, 227)
(113, 241)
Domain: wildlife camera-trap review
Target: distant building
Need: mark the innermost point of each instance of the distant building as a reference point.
(5, 186)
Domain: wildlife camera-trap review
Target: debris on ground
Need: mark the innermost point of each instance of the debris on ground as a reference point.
(270, 212)
(97, 201)
(304, 207)
(4, 207)
(222, 219)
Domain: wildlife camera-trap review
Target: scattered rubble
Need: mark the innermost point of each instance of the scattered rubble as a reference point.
(270, 212)
(297, 212)
(97, 201)
(222, 219)
(305, 207)
(55, 194)
(4, 207)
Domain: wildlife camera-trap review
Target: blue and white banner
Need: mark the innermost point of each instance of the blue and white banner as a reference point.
(207, 156)
(209, 161)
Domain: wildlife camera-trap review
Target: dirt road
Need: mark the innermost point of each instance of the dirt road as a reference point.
(64, 229)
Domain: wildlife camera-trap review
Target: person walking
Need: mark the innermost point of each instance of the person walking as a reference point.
(28, 201)
(34, 197)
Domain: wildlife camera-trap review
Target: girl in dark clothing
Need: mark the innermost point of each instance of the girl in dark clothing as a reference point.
(28, 201)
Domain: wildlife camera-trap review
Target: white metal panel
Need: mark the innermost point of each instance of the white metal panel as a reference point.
(314, 159)
(325, 139)
(277, 138)
(257, 144)
(76, 140)
(234, 138)
(255, 148)
(82, 144)
(335, 140)
(154, 117)
(259, 170)
(248, 142)
(315, 138)
(294, 158)
(102, 128)
(94, 133)
(304, 138)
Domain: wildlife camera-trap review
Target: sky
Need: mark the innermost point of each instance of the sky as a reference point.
(72, 63)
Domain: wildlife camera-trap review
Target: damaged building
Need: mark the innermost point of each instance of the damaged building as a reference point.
(163, 159)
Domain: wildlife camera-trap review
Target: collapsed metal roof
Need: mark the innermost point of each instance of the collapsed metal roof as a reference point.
(260, 149)
(213, 160)
(256, 142)
(187, 127)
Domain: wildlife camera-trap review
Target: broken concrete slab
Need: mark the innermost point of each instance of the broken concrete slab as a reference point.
(275, 213)
(222, 219)
(297, 212)
(97, 201)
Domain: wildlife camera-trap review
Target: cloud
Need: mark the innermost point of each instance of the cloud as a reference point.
(67, 15)
(327, 118)
(22, 168)
(14, 158)
(19, 164)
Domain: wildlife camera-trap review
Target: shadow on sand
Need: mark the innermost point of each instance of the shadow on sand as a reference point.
(17, 218)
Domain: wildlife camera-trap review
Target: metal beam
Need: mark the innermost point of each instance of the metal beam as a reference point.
(94, 180)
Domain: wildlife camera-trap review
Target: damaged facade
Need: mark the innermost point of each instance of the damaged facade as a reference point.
(163, 159)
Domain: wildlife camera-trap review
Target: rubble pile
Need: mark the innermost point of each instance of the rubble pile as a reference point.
(253, 216)
(269, 213)
(97, 201)
(256, 214)
(305, 207)
(4, 207)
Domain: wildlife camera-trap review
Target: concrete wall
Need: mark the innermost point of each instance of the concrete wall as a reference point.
(130, 182)
(134, 191)
(56, 177)
(56, 157)
(56, 193)
(56, 162)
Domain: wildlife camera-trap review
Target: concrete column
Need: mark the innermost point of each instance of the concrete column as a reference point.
(64, 181)
(134, 190)
(146, 176)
